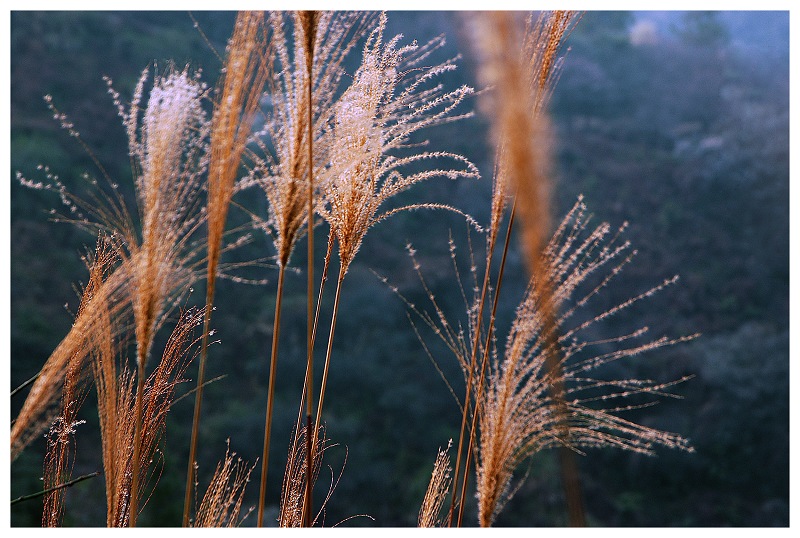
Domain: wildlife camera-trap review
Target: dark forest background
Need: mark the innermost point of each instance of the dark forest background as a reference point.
(675, 122)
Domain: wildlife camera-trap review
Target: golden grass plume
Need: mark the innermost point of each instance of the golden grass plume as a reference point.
(437, 490)
(221, 505)
(520, 413)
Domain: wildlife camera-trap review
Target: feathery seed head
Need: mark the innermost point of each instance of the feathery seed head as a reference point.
(437, 490)
(391, 98)
(280, 168)
(528, 405)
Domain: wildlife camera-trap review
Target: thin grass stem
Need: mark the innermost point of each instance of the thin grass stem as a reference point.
(470, 379)
(270, 396)
(137, 442)
(310, 20)
(38, 494)
(485, 360)
(312, 437)
(198, 401)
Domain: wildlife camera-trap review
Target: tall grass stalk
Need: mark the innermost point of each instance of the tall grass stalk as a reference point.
(167, 138)
(309, 20)
(245, 74)
(296, 136)
(276, 327)
(329, 350)
(498, 68)
(523, 83)
(485, 361)
(499, 200)
(386, 103)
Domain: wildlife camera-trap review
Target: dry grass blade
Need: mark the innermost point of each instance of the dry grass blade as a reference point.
(293, 491)
(222, 503)
(60, 456)
(437, 490)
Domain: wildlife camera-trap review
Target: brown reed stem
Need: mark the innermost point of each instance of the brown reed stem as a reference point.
(312, 437)
(198, 401)
(468, 394)
(270, 396)
(308, 499)
(137, 442)
(323, 280)
(309, 30)
(485, 360)
(322, 387)
(569, 466)
(307, 384)
(312, 434)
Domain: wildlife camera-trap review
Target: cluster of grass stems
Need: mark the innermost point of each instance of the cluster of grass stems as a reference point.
(332, 149)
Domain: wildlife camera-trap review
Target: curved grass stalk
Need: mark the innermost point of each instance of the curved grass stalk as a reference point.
(308, 23)
(246, 71)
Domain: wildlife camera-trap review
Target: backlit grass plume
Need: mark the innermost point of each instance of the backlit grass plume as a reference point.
(520, 414)
(437, 490)
(117, 393)
(222, 503)
(521, 65)
(394, 94)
